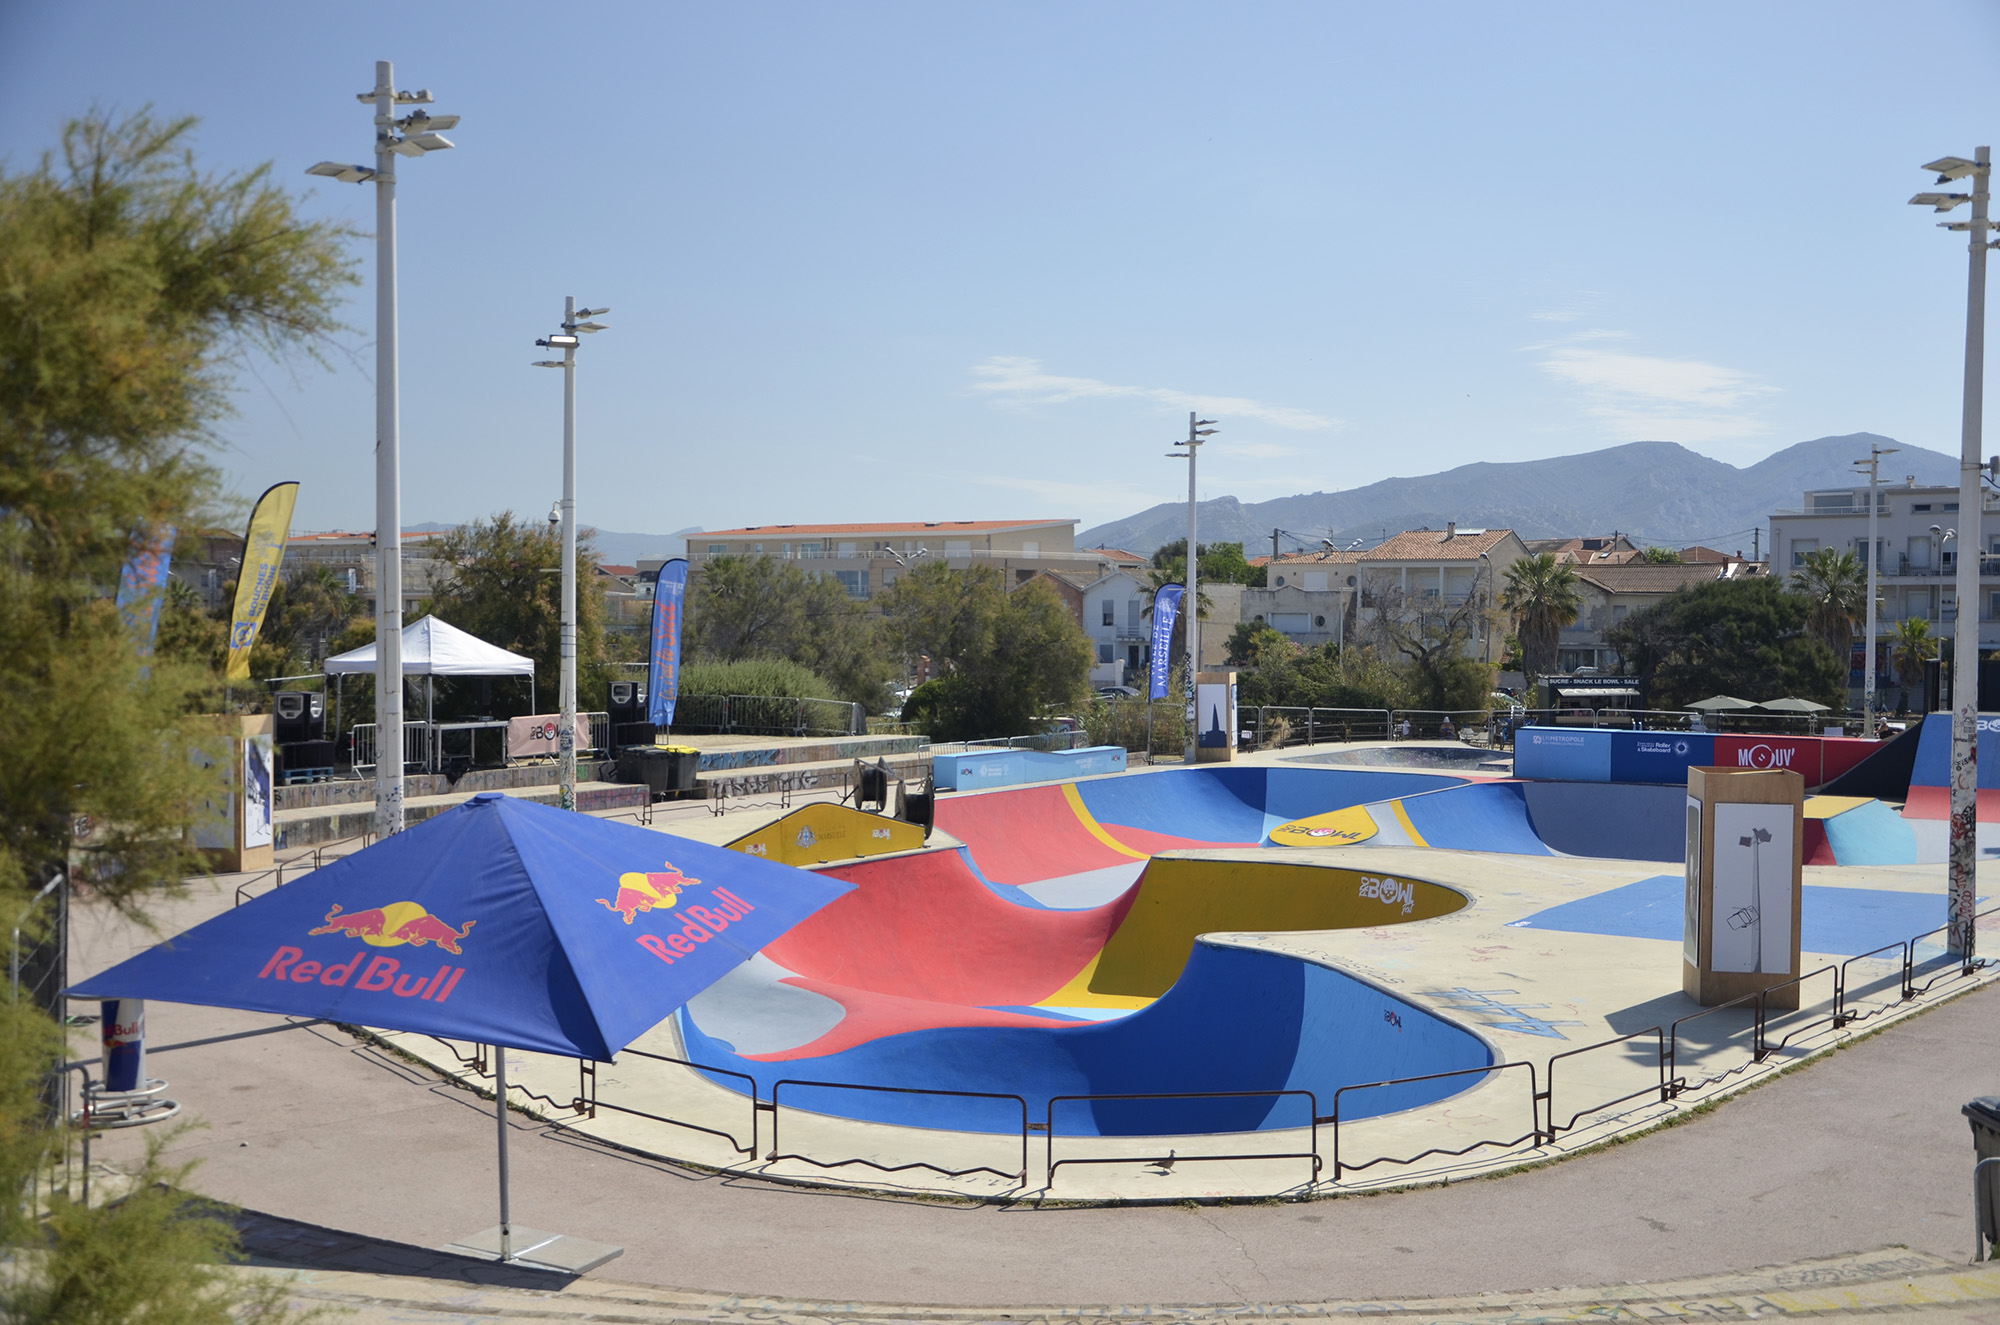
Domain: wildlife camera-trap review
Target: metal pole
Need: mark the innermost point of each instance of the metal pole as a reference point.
(1961, 901)
(1193, 614)
(388, 477)
(566, 775)
(500, 1119)
(1875, 454)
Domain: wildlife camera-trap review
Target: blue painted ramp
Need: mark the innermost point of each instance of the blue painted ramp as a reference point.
(1234, 805)
(1481, 816)
(1237, 1020)
(1617, 821)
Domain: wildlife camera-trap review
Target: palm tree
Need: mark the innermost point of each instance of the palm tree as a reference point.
(1541, 593)
(1837, 584)
(1911, 647)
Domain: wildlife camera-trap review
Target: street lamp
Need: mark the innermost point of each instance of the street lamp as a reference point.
(1199, 430)
(416, 134)
(1961, 894)
(1873, 464)
(1939, 537)
(567, 341)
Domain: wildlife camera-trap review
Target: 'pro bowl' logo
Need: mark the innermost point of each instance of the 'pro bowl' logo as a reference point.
(396, 923)
(643, 892)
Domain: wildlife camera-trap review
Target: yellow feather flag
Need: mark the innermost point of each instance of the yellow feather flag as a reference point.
(263, 553)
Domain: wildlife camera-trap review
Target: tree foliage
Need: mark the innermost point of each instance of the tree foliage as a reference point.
(131, 284)
(1219, 563)
(1910, 648)
(1744, 637)
(1002, 662)
(742, 608)
(1432, 632)
(1834, 581)
(1541, 594)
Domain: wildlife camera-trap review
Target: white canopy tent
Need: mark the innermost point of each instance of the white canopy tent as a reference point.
(434, 648)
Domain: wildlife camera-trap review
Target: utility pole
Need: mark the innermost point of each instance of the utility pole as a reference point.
(1756, 543)
(1962, 890)
(420, 135)
(1199, 430)
(1274, 544)
(1874, 467)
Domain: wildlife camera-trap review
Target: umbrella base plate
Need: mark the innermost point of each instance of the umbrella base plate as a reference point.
(536, 1250)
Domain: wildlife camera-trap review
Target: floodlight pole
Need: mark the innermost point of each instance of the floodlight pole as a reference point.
(388, 476)
(1198, 430)
(1961, 902)
(1874, 463)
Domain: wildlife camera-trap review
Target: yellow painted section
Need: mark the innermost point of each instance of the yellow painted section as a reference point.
(1078, 993)
(1825, 807)
(821, 833)
(1403, 818)
(1094, 828)
(1180, 898)
(1334, 829)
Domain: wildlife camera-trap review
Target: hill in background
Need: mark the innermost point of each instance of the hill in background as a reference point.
(1653, 492)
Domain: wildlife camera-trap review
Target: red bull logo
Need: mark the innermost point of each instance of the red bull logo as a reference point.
(644, 891)
(702, 924)
(396, 923)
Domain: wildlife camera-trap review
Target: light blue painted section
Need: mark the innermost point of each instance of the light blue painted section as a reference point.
(1009, 768)
(1564, 753)
(1871, 834)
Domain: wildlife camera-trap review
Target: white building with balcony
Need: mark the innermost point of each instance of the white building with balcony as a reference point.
(1917, 563)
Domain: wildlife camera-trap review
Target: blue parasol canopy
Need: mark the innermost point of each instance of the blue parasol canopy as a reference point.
(499, 921)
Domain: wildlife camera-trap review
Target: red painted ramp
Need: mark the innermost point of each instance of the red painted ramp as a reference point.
(923, 927)
(1935, 803)
(1026, 836)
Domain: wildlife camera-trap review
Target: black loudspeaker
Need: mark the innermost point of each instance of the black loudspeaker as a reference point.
(298, 715)
(301, 755)
(919, 807)
(630, 733)
(628, 703)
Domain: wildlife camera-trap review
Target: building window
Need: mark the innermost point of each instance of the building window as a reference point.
(1110, 614)
(958, 547)
(1104, 653)
(1617, 613)
(854, 581)
(811, 551)
(1031, 549)
(847, 549)
(1801, 548)
(718, 549)
(1292, 623)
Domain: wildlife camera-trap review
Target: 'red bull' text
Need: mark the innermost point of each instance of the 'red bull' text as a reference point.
(702, 924)
(382, 974)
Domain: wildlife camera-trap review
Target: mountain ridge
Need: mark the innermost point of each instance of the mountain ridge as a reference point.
(1654, 492)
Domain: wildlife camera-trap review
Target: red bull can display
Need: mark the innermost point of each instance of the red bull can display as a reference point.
(122, 1027)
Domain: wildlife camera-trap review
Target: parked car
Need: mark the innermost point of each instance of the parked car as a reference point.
(1117, 692)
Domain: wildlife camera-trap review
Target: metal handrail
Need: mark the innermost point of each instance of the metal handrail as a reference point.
(1020, 1177)
(1762, 1047)
(1674, 1082)
(1661, 1087)
(1534, 1110)
(730, 1137)
(1312, 1105)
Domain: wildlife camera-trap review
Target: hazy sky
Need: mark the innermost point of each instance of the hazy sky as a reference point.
(954, 261)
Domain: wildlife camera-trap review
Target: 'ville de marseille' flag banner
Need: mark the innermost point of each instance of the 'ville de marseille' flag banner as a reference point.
(142, 585)
(1166, 610)
(664, 682)
(263, 553)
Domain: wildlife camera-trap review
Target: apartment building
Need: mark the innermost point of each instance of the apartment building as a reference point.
(1451, 567)
(1112, 607)
(1609, 592)
(351, 557)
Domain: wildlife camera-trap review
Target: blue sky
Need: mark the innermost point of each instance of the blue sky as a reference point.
(934, 261)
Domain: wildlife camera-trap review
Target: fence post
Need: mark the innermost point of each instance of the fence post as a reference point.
(1309, 725)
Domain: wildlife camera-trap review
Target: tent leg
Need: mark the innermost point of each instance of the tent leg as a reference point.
(500, 1117)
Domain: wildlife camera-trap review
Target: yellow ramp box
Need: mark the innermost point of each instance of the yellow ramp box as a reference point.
(820, 834)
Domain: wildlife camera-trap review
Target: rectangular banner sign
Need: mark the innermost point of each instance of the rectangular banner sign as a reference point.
(1563, 754)
(664, 680)
(1659, 756)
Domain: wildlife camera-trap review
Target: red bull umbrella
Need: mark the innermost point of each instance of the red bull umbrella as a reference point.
(499, 921)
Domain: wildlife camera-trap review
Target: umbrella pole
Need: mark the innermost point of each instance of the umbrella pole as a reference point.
(500, 1118)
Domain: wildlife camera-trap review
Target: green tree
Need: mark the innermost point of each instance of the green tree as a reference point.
(131, 285)
(1541, 594)
(1744, 637)
(1251, 643)
(1836, 584)
(741, 608)
(1663, 556)
(1003, 662)
(1910, 648)
(505, 587)
(1223, 563)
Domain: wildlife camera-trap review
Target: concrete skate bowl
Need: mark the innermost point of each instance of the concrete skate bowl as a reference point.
(1051, 956)
(1445, 757)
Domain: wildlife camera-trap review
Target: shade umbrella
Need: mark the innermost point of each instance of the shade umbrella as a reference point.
(499, 921)
(1722, 703)
(1792, 705)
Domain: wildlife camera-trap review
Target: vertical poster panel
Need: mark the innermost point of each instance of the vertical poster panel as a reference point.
(664, 680)
(1166, 608)
(257, 803)
(215, 817)
(1691, 922)
(1212, 709)
(142, 584)
(263, 554)
(1750, 929)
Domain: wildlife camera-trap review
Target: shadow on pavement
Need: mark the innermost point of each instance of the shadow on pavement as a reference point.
(288, 1244)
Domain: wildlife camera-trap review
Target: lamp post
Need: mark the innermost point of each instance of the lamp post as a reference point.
(1961, 895)
(566, 340)
(1873, 464)
(1199, 430)
(1940, 536)
(415, 135)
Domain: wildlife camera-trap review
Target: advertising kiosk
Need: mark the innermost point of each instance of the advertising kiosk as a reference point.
(1214, 717)
(1745, 879)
